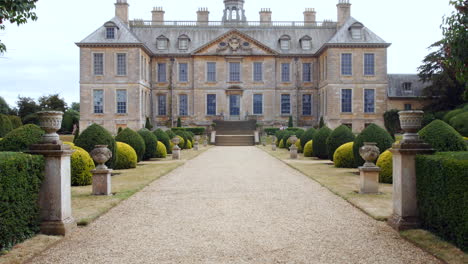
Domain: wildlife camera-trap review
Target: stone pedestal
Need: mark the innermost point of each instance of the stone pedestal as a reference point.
(369, 180)
(195, 146)
(102, 182)
(55, 194)
(176, 153)
(273, 146)
(293, 152)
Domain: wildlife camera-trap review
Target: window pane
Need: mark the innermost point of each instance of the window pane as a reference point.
(183, 72)
(346, 64)
(211, 104)
(258, 104)
(285, 104)
(258, 71)
(162, 72)
(285, 74)
(307, 104)
(306, 44)
(162, 44)
(121, 64)
(110, 33)
(183, 105)
(211, 72)
(307, 72)
(408, 107)
(98, 64)
(162, 105)
(284, 44)
(369, 64)
(98, 101)
(234, 71)
(183, 44)
(369, 101)
(121, 101)
(346, 104)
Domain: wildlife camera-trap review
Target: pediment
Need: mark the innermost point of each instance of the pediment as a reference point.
(234, 42)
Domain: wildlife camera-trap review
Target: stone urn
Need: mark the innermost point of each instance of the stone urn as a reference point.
(50, 122)
(411, 122)
(101, 154)
(293, 139)
(176, 141)
(369, 152)
(197, 138)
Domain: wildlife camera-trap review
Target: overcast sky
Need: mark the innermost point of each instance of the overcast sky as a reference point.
(42, 57)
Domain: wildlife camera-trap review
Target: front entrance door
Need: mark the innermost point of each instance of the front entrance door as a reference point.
(234, 105)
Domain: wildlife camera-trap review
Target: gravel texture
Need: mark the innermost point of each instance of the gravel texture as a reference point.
(235, 205)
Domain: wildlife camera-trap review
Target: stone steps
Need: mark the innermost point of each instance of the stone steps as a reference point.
(235, 140)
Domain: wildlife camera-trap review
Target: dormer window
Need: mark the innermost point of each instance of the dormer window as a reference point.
(285, 42)
(162, 43)
(111, 30)
(356, 30)
(184, 42)
(306, 43)
(407, 87)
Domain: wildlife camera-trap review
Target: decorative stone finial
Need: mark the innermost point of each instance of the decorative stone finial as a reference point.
(50, 122)
(101, 154)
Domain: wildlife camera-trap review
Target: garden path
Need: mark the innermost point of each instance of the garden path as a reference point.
(235, 205)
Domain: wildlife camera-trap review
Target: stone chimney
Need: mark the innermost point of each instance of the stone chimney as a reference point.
(310, 17)
(265, 16)
(203, 16)
(121, 10)
(158, 16)
(344, 11)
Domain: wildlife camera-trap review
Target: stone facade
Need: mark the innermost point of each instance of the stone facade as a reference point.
(158, 52)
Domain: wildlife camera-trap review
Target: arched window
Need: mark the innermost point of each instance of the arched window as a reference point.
(184, 41)
(162, 42)
(285, 42)
(306, 43)
(356, 30)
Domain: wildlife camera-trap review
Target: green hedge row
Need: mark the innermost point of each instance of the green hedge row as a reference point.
(442, 187)
(20, 180)
(271, 130)
(195, 130)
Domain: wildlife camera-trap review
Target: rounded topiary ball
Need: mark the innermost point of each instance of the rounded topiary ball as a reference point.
(133, 139)
(81, 166)
(21, 138)
(161, 151)
(344, 156)
(298, 146)
(308, 149)
(442, 137)
(452, 114)
(189, 144)
(320, 149)
(181, 142)
(15, 121)
(460, 123)
(126, 157)
(151, 143)
(286, 137)
(164, 138)
(97, 135)
(307, 136)
(281, 144)
(385, 162)
(372, 133)
(338, 137)
(5, 125)
(183, 135)
(170, 134)
(279, 136)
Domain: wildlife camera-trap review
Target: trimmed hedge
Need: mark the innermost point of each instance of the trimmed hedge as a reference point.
(133, 139)
(195, 130)
(307, 136)
(97, 135)
(442, 137)
(271, 130)
(338, 137)
(15, 121)
(281, 144)
(442, 189)
(189, 144)
(298, 146)
(170, 134)
(181, 142)
(164, 138)
(344, 156)
(385, 162)
(20, 181)
(319, 147)
(308, 149)
(452, 114)
(286, 137)
(161, 151)
(151, 143)
(81, 166)
(372, 133)
(126, 157)
(21, 138)
(5, 125)
(279, 136)
(460, 123)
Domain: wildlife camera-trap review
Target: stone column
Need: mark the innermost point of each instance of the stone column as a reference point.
(405, 202)
(369, 173)
(101, 175)
(176, 149)
(55, 193)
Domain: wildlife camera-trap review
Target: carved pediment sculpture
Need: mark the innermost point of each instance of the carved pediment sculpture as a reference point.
(234, 44)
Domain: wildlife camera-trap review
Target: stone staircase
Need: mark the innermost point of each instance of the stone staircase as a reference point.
(235, 133)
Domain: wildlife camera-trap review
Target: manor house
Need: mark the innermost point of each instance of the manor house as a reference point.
(237, 69)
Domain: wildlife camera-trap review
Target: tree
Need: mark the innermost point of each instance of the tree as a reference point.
(179, 122)
(26, 106)
(4, 107)
(148, 124)
(290, 122)
(322, 122)
(52, 102)
(16, 12)
(75, 106)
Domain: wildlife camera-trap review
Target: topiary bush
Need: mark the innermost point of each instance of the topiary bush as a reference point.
(126, 157)
(286, 137)
(385, 162)
(281, 144)
(161, 151)
(320, 148)
(452, 114)
(185, 136)
(5, 125)
(299, 146)
(97, 135)
(164, 139)
(133, 139)
(460, 123)
(151, 143)
(189, 144)
(307, 136)
(338, 137)
(20, 181)
(344, 156)
(442, 137)
(271, 130)
(392, 122)
(181, 141)
(170, 134)
(21, 138)
(15, 121)
(308, 149)
(372, 133)
(81, 166)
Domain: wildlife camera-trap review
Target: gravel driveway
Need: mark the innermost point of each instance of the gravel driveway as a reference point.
(235, 205)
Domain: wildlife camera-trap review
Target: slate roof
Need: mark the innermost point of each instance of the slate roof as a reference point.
(395, 85)
(343, 35)
(124, 35)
